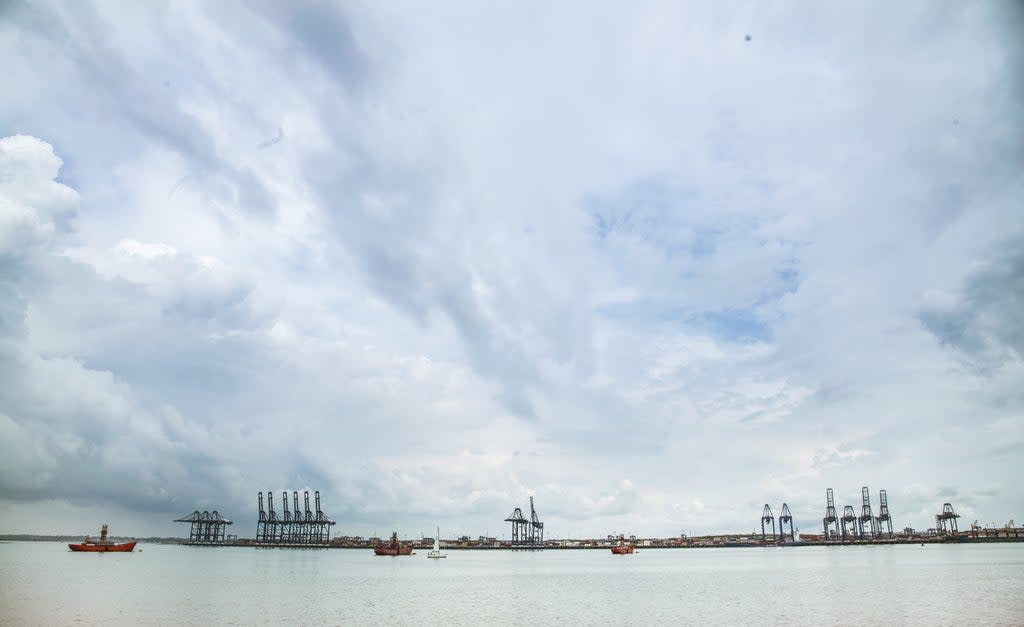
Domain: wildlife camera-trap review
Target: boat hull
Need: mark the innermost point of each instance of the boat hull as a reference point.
(127, 547)
(387, 550)
(622, 550)
(393, 548)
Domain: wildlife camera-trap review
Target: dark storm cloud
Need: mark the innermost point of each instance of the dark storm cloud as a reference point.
(324, 32)
(983, 322)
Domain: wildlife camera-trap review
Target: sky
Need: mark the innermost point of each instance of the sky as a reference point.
(654, 264)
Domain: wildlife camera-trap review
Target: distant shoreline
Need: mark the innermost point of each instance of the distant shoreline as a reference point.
(600, 545)
(19, 537)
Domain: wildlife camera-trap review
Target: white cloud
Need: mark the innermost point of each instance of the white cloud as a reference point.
(621, 259)
(33, 206)
(146, 251)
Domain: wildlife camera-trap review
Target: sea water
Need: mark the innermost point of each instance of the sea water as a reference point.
(43, 583)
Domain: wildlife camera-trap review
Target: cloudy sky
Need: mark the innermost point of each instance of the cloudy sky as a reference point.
(434, 258)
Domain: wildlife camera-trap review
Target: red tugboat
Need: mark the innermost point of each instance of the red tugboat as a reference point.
(103, 545)
(622, 548)
(393, 548)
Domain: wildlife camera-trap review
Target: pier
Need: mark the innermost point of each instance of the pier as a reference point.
(301, 525)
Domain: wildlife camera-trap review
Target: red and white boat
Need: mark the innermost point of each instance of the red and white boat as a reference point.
(622, 548)
(103, 545)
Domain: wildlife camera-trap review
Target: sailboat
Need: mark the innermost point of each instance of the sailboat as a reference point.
(436, 553)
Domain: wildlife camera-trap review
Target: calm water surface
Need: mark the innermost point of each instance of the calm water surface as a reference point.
(42, 583)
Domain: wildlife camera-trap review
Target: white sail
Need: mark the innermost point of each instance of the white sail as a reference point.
(436, 553)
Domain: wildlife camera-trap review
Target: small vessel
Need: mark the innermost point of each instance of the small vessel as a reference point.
(622, 548)
(394, 547)
(436, 553)
(103, 545)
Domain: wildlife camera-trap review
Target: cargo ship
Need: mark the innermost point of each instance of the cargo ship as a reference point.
(103, 545)
(622, 548)
(393, 548)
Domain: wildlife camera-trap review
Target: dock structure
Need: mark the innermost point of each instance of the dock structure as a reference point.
(296, 527)
(321, 523)
(849, 524)
(851, 527)
(527, 533)
(830, 522)
(883, 514)
(273, 525)
(766, 517)
(779, 535)
(519, 526)
(207, 528)
(786, 517)
(945, 523)
(536, 527)
(286, 517)
(262, 526)
(866, 517)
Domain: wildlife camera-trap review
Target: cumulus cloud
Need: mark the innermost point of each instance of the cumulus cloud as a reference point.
(34, 207)
(623, 260)
(146, 251)
(75, 433)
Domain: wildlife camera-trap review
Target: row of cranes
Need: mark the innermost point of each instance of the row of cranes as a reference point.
(294, 527)
(853, 527)
(526, 532)
(206, 527)
(784, 518)
(850, 526)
